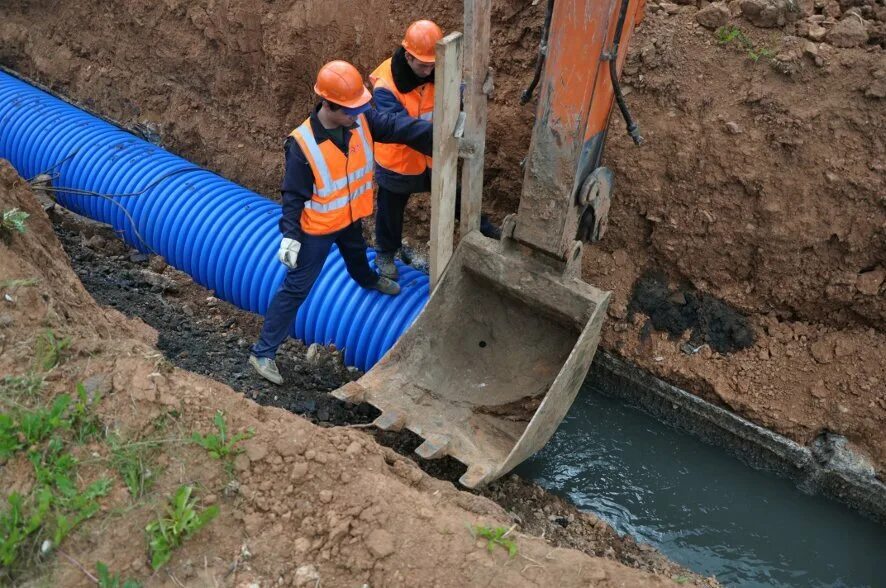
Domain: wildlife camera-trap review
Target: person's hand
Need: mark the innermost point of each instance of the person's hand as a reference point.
(288, 253)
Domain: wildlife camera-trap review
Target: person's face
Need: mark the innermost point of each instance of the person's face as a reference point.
(338, 117)
(420, 68)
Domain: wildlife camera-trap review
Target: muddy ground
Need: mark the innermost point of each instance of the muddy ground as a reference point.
(761, 184)
(301, 505)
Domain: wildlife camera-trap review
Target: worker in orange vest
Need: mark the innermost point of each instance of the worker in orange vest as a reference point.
(404, 84)
(327, 191)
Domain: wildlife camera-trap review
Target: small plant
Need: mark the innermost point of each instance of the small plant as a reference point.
(10, 440)
(38, 424)
(32, 524)
(732, 34)
(13, 220)
(56, 472)
(162, 421)
(83, 420)
(496, 536)
(49, 350)
(19, 524)
(107, 580)
(219, 445)
(756, 53)
(14, 387)
(728, 33)
(183, 520)
(131, 462)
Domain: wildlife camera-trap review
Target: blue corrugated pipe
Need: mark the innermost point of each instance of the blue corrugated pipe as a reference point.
(223, 235)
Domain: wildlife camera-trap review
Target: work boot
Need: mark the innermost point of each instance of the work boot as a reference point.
(386, 266)
(266, 368)
(488, 229)
(386, 286)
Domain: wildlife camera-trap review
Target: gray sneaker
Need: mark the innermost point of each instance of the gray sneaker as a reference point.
(386, 266)
(266, 368)
(386, 286)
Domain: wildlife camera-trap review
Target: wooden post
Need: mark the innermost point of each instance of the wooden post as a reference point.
(476, 73)
(447, 82)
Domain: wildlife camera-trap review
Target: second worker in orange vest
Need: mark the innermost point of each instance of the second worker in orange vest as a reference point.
(404, 84)
(327, 191)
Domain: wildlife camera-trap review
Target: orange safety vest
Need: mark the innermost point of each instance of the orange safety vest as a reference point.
(419, 103)
(342, 183)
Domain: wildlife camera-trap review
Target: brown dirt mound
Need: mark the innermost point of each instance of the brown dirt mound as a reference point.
(301, 505)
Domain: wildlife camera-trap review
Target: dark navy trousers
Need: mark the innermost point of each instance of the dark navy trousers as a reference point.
(298, 282)
(389, 219)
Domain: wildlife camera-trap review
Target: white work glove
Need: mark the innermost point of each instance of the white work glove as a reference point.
(288, 254)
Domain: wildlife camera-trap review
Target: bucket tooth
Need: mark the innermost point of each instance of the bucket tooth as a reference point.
(351, 392)
(434, 447)
(390, 420)
(474, 477)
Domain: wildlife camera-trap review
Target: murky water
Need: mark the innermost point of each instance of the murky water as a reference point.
(701, 507)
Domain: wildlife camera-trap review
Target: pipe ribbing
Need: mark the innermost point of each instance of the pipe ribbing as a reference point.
(222, 234)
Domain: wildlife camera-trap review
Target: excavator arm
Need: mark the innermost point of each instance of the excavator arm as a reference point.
(492, 364)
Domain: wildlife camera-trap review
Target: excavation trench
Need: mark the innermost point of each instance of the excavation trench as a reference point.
(698, 504)
(651, 497)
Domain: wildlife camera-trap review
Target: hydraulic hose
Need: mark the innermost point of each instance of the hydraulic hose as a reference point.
(542, 54)
(223, 235)
(633, 127)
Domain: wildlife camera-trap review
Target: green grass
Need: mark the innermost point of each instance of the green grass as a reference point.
(37, 424)
(50, 349)
(13, 221)
(10, 440)
(18, 283)
(48, 514)
(14, 388)
(182, 520)
(108, 580)
(19, 524)
(495, 536)
(56, 470)
(32, 524)
(220, 445)
(731, 34)
(25, 427)
(162, 421)
(133, 462)
(83, 420)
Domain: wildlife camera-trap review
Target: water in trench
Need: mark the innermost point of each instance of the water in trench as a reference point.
(701, 507)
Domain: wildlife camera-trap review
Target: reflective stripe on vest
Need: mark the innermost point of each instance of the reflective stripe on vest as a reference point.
(418, 103)
(340, 197)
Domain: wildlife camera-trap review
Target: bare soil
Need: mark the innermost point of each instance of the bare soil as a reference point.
(302, 505)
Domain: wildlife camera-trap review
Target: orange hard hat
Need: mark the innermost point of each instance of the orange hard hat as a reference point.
(421, 38)
(341, 83)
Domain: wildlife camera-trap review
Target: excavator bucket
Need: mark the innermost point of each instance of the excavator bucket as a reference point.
(492, 364)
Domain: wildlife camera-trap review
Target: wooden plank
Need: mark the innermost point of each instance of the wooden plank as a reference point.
(476, 70)
(447, 82)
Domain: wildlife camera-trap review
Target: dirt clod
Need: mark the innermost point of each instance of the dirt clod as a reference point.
(851, 31)
(380, 543)
(713, 15)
